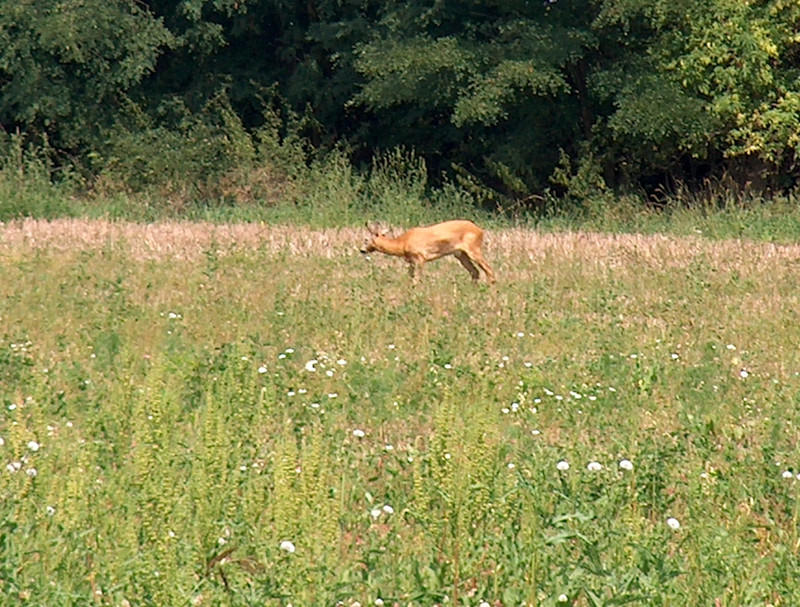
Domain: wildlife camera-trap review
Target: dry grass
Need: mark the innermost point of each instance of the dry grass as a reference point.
(185, 240)
(179, 240)
(617, 251)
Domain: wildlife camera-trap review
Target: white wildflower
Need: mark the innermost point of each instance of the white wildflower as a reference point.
(787, 474)
(32, 472)
(311, 365)
(563, 465)
(262, 369)
(594, 467)
(375, 512)
(287, 546)
(626, 464)
(673, 523)
(563, 598)
(358, 433)
(388, 509)
(33, 445)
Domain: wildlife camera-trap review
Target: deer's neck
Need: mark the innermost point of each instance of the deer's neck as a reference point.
(390, 246)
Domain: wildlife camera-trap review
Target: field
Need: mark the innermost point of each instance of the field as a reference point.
(197, 414)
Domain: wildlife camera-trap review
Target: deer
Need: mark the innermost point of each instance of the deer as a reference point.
(460, 238)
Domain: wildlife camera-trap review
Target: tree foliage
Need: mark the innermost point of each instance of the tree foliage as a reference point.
(66, 65)
(716, 86)
(514, 97)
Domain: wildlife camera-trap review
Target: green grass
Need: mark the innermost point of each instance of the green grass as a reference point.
(184, 434)
(284, 184)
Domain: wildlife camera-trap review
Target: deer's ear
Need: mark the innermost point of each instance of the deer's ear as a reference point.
(377, 229)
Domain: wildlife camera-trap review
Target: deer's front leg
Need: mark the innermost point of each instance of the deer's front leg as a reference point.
(415, 268)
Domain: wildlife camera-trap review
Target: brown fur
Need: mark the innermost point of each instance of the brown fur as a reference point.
(462, 239)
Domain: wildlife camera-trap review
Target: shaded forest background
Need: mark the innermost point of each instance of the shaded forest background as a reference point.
(512, 101)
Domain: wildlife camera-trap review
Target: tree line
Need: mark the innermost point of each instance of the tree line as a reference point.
(514, 98)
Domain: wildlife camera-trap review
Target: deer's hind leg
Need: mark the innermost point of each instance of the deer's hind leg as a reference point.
(463, 258)
(478, 259)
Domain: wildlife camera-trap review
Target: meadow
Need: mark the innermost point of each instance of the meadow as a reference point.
(243, 414)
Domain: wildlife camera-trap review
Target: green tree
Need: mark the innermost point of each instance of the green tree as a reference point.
(67, 65)
(510, 97)
(715, 89)
(289, 55)
(640, 90)
(487, 86)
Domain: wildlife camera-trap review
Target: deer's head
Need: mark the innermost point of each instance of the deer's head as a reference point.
(375, 231)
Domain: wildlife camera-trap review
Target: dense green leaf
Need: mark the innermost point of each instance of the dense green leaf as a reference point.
(502, 97)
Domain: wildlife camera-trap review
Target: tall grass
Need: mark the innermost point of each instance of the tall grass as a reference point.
(713, 213)
(200, 414)
(214, 170)
(29, 183)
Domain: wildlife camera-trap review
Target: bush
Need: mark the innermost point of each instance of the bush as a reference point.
(206, 157)
(31, 185)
